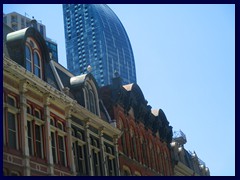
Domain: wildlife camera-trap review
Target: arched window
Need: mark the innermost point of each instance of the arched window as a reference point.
(91, 98)
(134, 145)
(96, 157)
(126, 171)
(12, 123)
(29, 109)
(92, 103)
(79, 135)
(111, 170)
(37, 66)
(37, 113)
(73, 132)
(123, 139)
(52, 121)
(32, 57)
(28, 58)
(79, 152)
(60, 125)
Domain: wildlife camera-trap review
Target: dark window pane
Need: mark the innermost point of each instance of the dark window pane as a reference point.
(11, 121)
(37, 114)
(30, 138)
(36, 60)
(28, 59)
(38, 141)
(11, 101)
(12, 138)
(61, 150)
(38, 132)
(37, 72)
(39, 149)
(29, 110)
(12, 141)
(53, 147)
(28, 66)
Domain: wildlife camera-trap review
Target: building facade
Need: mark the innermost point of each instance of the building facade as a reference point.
(144, 146)
(17, 21)
(186, 163)
(95, 36)
(54, 123)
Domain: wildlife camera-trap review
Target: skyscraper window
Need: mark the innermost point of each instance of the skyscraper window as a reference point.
(105, 41)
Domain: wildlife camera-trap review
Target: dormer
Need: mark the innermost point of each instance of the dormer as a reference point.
(27, 47)
(85, 89)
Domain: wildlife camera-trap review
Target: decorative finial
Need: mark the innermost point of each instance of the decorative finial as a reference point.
(89, 68)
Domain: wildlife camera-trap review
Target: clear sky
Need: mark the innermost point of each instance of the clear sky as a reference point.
(185, 63)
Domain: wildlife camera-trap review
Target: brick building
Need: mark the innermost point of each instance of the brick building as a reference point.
(144, 146)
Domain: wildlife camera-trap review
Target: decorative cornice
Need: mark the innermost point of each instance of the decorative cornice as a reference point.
(42, 87)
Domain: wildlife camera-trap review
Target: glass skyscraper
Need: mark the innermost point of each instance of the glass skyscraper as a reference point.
(95, 36)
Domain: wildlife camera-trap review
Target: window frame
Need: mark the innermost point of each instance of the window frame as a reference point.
(59, 132)
(13, 110)
(34, 49)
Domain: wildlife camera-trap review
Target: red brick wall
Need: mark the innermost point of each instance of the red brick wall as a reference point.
(155, 164)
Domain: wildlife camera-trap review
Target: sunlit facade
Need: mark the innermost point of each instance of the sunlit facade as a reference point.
(54, 123)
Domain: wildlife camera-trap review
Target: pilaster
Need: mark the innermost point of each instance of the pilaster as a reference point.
(102, 151)
(88, 142)
(69, 139)
(46, 102)
(23, 126)
(116, 154)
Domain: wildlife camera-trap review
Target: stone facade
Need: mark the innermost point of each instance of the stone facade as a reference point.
(46, 130)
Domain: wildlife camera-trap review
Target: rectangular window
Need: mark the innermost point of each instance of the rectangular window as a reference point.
(79, 157)
(61, 146)
(53, 141)
(12, 130)
(111, 169)
(30, 138)
(96, 163)
(38, 141)
(11, 101)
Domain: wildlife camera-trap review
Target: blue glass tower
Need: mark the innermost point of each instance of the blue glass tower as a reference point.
(95, 36)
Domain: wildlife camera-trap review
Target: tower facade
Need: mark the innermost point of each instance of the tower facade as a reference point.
(95, 36)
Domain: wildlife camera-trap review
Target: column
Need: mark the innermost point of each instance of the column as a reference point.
(102, 153)
(23, 126)
(70, 156)
(89, 161)
(116, 154)
(46, 103)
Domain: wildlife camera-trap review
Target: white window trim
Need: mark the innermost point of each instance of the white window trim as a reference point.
(64, 149)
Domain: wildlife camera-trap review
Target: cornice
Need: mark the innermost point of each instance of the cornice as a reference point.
(33, 82)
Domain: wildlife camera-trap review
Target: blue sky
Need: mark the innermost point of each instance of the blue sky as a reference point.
(185, 63)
